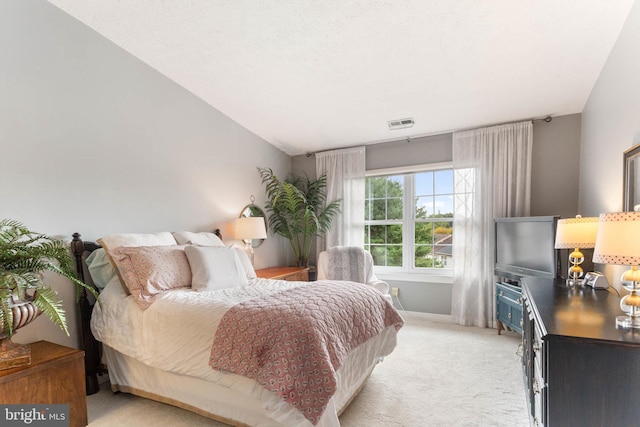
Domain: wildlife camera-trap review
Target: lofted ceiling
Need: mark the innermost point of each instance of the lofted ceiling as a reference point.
(315, 75)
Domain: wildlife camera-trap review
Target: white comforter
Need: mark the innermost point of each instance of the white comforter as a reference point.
(176, 333)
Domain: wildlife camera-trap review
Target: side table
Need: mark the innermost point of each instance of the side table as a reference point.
(55, 376)
(299, 274)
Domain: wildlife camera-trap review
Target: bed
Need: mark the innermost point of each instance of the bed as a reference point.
(210, 337)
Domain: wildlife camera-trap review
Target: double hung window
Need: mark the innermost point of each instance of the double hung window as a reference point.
(409, 220)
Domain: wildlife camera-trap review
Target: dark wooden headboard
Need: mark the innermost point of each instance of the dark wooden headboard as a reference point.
(92, 347)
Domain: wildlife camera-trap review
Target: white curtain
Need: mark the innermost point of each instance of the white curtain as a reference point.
(345, 171)
(492, 168)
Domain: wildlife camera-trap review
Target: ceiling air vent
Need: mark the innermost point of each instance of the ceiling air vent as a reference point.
(400, 124)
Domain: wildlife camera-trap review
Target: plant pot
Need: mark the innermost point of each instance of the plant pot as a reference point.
(11, 354)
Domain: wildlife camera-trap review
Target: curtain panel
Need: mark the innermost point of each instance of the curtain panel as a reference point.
(345, 170)
(492, 178)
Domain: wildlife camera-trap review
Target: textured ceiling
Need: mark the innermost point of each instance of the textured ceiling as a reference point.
(314, 75)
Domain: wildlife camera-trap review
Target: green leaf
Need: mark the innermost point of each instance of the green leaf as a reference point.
(47, 300)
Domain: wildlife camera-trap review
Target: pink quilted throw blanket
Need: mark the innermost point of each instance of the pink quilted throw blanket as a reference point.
(293, 342)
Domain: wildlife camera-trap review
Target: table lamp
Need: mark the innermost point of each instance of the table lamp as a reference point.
(576, 233)
(247, 229)
(618, 242)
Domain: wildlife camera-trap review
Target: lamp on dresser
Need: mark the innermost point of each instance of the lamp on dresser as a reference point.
(618, 242)
(247, 229)
(576, 233)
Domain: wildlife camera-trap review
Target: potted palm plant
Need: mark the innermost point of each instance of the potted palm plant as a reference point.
(24, 256)
(298, 211)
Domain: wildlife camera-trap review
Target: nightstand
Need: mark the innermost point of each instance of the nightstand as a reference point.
(55, 376)
(300, 274)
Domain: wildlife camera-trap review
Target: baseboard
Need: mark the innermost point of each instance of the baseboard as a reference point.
(432, 317)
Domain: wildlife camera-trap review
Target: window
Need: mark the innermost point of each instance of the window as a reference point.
(409, 220)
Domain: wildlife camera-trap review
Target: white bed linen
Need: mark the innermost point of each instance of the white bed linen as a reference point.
(175, 336)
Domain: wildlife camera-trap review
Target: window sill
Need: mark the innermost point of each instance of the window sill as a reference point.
(416, 277)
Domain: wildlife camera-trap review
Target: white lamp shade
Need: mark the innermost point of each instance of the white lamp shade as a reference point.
(576, 233)
(250, 228)
(618, 240)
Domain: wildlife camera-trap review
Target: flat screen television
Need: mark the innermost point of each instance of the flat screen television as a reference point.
(525, 246)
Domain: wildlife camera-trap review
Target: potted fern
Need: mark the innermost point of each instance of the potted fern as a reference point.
(298, 211)
(24, 255)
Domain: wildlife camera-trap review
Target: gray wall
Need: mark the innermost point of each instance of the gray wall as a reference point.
(611, 125)
(415, 151)
(554, 188)
(555, 167)
(95, 141)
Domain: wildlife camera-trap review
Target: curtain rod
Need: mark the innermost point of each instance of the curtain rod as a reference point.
(546, 119)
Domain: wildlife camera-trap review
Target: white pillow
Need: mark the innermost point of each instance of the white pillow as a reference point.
(246, 263)
(215, 267)
(199, 239)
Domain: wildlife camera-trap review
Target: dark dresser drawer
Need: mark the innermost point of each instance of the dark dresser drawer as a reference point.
(509, 307)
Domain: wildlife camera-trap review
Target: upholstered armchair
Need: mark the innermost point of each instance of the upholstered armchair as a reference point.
(350, 263)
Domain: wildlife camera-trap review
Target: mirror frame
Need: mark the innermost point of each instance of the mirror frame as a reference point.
(252, 210)
(631, 190)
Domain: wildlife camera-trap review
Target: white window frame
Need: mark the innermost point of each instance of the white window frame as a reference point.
(408, 272)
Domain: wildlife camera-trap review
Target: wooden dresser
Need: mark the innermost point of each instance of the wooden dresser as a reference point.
(300, 274)
(55, 376)
(580, 369)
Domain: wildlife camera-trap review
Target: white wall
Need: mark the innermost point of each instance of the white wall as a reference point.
(84, 126)
(610, 126)
(611, 123)
(97, 142)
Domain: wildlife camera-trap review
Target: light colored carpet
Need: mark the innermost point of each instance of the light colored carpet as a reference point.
(439, 375)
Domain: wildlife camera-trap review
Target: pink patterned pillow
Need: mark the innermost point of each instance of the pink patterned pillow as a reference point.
(149, 271)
